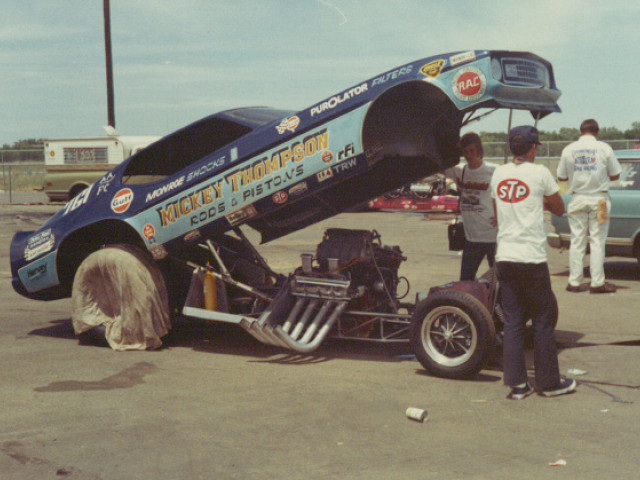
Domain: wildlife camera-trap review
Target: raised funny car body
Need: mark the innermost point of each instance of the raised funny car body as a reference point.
(183, 201)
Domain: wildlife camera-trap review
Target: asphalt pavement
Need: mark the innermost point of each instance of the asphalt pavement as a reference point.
(213, 403)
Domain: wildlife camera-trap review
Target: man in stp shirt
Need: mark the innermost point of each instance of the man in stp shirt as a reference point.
(520, 191)
(589, 165)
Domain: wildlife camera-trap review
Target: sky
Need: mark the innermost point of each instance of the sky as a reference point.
(177, 61)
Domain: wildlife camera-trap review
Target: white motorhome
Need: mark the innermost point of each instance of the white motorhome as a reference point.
(72, 164)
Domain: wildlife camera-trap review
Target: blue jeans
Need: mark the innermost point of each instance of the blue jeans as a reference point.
(525, 290)
(472, 256)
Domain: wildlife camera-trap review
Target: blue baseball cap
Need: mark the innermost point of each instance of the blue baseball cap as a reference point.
(527, 132)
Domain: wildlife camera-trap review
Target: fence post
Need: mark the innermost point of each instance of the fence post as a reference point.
(10, 192)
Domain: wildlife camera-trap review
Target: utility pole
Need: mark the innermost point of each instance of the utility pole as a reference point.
(107, 46)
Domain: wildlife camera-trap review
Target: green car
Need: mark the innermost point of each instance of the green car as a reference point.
(624, 230)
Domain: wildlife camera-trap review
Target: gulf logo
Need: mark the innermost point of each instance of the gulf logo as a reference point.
(469, 84)
(512, 190)
(121, 201)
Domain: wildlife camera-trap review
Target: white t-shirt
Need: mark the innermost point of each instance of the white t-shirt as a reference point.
(588, 164)
(475, 200)
(518, 190)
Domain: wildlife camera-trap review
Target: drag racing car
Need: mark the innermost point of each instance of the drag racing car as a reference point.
(165, 231)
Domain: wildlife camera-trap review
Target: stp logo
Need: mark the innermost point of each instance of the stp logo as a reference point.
(469, 84)
(122, 200)
(512, 190)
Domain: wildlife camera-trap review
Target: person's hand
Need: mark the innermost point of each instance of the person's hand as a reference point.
(493, 221)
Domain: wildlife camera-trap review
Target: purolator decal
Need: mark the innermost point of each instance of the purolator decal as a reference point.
(433, 69)
(338, 99)
(512, 190)
(121, 201)
(469, 84)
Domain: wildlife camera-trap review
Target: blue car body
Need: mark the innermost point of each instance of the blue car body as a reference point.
(623, 239)
(279, 171)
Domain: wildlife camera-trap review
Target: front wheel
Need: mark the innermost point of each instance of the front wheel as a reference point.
(452, 334)
(121, 288)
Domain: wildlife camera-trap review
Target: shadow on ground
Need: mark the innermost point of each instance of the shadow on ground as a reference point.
(613, 270)
(232, 340)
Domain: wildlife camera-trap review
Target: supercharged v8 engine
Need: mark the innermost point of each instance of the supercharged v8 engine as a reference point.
(371, 268)
(353, 268)
(348, 289)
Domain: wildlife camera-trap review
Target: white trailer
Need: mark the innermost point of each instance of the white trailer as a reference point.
(72, 164)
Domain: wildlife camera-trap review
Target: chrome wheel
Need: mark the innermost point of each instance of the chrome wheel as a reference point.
(449, 335)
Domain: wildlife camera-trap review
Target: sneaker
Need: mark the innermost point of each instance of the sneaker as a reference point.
(566, 385)
(518, 393)
(574, 289)
(606, 288)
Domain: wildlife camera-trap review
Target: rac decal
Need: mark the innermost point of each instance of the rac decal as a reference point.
(469, 84)
(512, 190)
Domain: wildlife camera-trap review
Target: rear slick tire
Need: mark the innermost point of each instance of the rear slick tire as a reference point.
(452, 334)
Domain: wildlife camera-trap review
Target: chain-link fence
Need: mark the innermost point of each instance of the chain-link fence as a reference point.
(553, 149)
(548, 153)
(23, 170)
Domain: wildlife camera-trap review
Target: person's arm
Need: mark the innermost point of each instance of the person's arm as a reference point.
(561, 171)
(554, 204)
(613, 168)
(495, 213)
(453, 173)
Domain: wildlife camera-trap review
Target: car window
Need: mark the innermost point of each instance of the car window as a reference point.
(629, 178)
(181, 149)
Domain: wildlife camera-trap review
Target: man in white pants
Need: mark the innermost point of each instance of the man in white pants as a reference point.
(589, 165)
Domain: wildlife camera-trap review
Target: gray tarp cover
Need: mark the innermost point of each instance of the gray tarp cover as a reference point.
(121, 288)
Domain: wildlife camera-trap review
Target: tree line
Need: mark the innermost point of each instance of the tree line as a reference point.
(26, 144)
(569, 134)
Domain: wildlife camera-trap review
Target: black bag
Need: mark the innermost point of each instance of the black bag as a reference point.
(456, 236)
